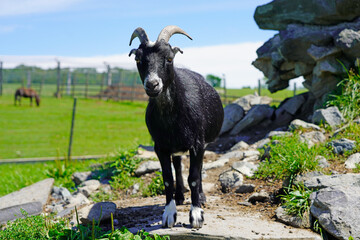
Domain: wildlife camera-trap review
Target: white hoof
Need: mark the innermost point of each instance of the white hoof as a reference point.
(196, 217)
(169, 216)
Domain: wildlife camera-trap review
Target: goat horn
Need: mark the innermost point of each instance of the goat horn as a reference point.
(141, 34)
(168, 31)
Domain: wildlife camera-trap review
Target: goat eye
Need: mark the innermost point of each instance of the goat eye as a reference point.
(169, 60)
(137, 61)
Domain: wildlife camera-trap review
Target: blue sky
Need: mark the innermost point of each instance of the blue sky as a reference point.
(89, 30)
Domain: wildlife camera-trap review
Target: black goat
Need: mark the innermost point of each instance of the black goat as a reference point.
(184, 113)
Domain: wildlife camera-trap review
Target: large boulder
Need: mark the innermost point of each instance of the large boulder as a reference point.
(278, 14)
(337, 210)
(316, 40)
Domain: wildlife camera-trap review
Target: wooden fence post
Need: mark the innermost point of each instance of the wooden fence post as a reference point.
(86, 83)
(57, 94)
(225, 93)
(72, 129)
(294, 89)
(73, 85)
(259, 87)
(28, 83)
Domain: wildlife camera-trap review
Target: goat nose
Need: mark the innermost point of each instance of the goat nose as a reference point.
(152, 84)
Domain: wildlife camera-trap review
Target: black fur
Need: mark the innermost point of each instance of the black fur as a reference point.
(185, 114)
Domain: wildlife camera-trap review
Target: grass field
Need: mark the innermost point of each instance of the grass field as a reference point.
(100, 127)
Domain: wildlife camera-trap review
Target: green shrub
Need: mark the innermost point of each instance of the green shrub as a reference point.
(156, 187)
(347, 96)
(297, 200)
(288, 158)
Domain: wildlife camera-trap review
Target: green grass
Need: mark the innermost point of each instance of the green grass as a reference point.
(288, 158)
(17, 176)
(277, 97)
(100, 127)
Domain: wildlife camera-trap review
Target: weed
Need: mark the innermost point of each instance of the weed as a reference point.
(297, 200)
(156, 187)
(123, 169)
(347, 96)
(33, 227)
(288, 158)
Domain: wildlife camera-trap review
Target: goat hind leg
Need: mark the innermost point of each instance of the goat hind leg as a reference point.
(196, 213)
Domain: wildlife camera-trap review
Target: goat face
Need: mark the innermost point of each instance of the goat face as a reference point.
(155, 59)
(155, 66)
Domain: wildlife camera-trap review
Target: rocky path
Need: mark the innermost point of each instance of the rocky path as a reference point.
(221, 221)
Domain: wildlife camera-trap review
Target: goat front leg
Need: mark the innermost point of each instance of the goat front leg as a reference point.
(169, 216)
(194, 180)
(179, 191)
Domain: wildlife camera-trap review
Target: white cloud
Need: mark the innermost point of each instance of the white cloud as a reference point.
(7, 28)
(233, 60)
(20, 7)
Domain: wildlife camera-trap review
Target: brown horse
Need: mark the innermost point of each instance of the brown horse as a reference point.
(27, 93)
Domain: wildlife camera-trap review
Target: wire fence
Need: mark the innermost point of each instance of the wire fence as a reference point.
(116, 83)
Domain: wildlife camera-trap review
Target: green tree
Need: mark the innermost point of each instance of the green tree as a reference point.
(215, 81)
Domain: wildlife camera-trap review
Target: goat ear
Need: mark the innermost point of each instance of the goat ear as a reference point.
(133, 51)
(176, 50)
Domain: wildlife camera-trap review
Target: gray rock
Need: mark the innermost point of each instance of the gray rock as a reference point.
(337, 210)
(311, 138)
(292, 105)
(65, 212)
(37, 192)
(79, 177)
(245, 188)
(321, 52)
(99, 211)
(278, 133)
(315, 180)
(233, 113)
(261, 143)
(348, 40)
(65, 193)
(89, 186)
(292, 220)
(148, 167)
(250, 153)
(240, 146)
(14, 212)
(330, 115)
(246, 168)
(248, 101)
(230, 179)
(297, 124)
(77, 200)
(352, 161)
(261, 196)
(323, 163)
(255, 115)
(342, 145)
(135, 188)
(215, 164)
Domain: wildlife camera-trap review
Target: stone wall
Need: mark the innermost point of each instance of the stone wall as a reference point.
(316, 40)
